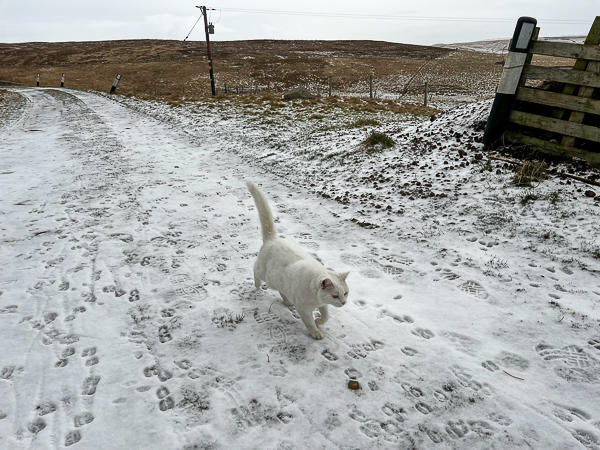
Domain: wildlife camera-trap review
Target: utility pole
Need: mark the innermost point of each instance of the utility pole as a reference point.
(210, 65)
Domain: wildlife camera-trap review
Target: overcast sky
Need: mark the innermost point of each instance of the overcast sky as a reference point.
(415, 22)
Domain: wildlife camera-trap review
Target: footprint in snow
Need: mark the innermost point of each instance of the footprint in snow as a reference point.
(83, 419)
(310, 245)
(412, 390)
(465, 379)
(195, 293)
(408, 351)
(166, 402)
(433, 434)
(423, 408)
(490, 365)
(571, 355)
(265, 317)
(423, 333)
(329, 355)
(567, 414)
(358, 351)
(360, 303)
(396, 412)
(89, 385)
(398, 259)
(72, 438)
(473, 288)
(457, 429)
(46, 408)
(397, 318)
(446, 274)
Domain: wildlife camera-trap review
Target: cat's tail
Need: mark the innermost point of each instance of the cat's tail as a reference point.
(264, 212)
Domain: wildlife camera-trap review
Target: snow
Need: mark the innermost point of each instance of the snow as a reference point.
(501, 45)
(129, 318)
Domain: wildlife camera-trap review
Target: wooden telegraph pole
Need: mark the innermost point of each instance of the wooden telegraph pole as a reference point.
(210, 65)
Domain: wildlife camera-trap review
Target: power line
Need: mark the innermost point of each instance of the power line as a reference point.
(395, 17)
(188, 35)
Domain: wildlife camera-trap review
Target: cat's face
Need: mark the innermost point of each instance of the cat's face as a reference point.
(334, 290)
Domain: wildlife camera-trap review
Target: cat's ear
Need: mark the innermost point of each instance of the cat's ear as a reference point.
(343, 276)
(326, 283)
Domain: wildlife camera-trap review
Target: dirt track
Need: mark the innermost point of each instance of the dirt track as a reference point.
(128, 239)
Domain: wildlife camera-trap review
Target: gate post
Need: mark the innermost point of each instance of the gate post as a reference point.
(509, 80)
(115, 84)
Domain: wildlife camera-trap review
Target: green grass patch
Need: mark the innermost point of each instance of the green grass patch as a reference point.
(554, 197)
(529, 196)
(378, 142)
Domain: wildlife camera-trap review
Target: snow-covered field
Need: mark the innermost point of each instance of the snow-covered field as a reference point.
(129, 319)
(501, 45)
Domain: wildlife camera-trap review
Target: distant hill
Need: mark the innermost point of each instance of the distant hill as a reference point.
(152, 51)
(172, 69)
(501, 45)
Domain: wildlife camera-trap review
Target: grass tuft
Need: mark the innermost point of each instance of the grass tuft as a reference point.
(529, 196)
(531, 172)
(378, 142)
(554, 197)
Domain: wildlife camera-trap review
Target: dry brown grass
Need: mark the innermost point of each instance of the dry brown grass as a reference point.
(177, 71)
(530, 173)
(171, 69)
(323, 104)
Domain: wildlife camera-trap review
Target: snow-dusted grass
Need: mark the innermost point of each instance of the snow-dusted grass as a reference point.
(130, 320)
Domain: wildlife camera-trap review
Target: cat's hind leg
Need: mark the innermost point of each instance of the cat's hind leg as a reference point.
(324, 315)
(286, 300)
(309, 322)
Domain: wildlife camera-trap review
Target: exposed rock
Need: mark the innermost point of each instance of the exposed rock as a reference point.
(299, 92)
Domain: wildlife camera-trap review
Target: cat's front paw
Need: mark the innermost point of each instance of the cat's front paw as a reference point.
(317, 334)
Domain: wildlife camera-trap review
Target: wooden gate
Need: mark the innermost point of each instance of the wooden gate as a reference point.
(557, 109)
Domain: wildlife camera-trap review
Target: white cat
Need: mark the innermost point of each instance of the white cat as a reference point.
(301, 280)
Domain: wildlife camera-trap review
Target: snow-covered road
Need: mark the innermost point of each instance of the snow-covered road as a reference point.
(129, 318)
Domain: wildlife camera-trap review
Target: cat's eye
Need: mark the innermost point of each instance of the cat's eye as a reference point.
(335, 296)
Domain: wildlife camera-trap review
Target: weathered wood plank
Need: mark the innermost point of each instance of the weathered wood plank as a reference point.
(565, 50)
(583, 93)
(539, 96)
(556, 126)
(576, 77)
(592, 39)
(552, 148)
(534, 36)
